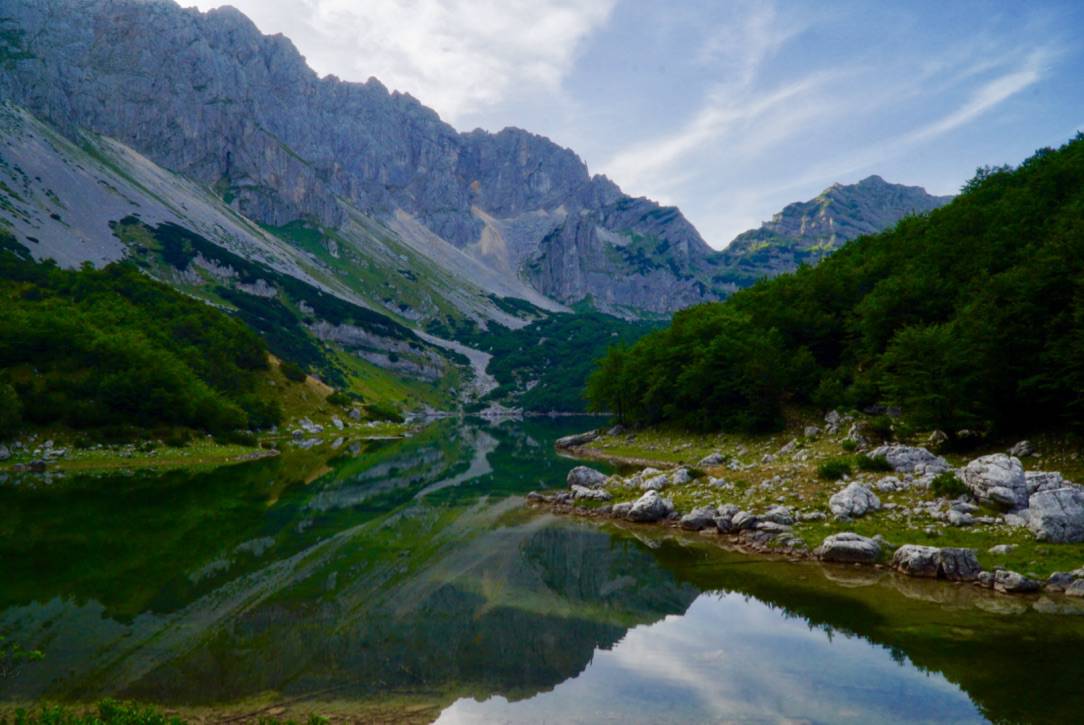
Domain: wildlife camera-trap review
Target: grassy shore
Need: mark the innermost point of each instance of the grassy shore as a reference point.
(757, 476)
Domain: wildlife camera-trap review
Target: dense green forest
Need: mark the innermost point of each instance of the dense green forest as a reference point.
(971, 316)
(114, 348)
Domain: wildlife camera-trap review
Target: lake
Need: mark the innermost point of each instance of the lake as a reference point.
(405, 580)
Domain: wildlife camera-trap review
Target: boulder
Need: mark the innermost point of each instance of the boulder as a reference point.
(1043, 481)
(590, 494)
(959, 565)
(889, 484)
(701, 517)
(915, 560)
(960, 518)
(1076, 589)
(848, 547)
(1059, 581)
(1058, 515)
(616, 430)
(621, 510)
(997, 479)
(854, 501)
(584, 476)
(578, 439)
(712, 459)
(1011, 582)
(650, 507)
(5, 453)
(911, 459)
(1021, 449)
(724, 517)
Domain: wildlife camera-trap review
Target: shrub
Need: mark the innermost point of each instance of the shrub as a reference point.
(880, 426)
(383, 411)
(340, 399)
(292, 371)
(948, 485)
(834, 469)
(872, 463)
(849, 445)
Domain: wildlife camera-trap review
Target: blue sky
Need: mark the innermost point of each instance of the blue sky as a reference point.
(731, 109)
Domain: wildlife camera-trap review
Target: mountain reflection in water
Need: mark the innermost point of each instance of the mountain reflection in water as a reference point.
(410, 569)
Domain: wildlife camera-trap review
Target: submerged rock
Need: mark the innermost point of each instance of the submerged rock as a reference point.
(855, 500)
(848, 547)
(1058, 515)
(584, 476)
(997, 479)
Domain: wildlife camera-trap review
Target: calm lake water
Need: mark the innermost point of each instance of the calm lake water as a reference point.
(406, 577)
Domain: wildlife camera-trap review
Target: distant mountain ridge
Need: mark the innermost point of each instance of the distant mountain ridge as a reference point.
(804, 232)
(208, 96)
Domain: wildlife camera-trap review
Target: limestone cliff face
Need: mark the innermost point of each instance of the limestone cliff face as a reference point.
(208, 96)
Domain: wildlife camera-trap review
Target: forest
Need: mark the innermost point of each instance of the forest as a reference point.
(969, 317)
(112, 348)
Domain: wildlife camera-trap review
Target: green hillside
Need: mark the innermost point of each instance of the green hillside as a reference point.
(971, 316)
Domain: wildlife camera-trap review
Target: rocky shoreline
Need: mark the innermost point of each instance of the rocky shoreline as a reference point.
(992, 493)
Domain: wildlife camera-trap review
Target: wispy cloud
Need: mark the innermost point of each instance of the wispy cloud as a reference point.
(454, 55)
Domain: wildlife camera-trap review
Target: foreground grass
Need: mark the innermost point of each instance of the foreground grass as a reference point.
(767, 478)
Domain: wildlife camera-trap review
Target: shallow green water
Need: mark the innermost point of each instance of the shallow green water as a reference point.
(410, 570)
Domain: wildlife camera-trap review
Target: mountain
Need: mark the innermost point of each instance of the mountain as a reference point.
(805, 232)
(208, 97)
(966, 318)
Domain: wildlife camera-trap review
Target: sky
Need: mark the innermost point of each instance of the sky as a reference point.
(728, 110)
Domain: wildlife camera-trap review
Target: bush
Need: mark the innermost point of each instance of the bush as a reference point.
(834, 469)
(948, 485)
(872, 463)
(881, 427)
(340, 399)
(382, 411)
(849, 445)
(292, 371)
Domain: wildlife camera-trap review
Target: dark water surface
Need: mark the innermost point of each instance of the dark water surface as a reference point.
(410, 572)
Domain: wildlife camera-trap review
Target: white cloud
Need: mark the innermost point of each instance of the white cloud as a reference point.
(453, 55)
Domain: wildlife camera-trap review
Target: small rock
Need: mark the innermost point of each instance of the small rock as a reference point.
(1021, 449)
(1076, 589)
(712, 459)
(985, 579)
(1059, 581)
(743, 520)
(680, 477)
(616, 430)
(909, 459)
(1002, 549)
(5, 453)
(621, 510)
(959, 564)
(811, 431)
(915, 560)
(1044, 481)
(655, 483)
(959, 518)
(812, 516)
(779, 515)
(937, 439)
(848, 547)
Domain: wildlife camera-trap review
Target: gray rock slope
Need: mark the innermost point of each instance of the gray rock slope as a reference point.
(804, 232)
(209, 97)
